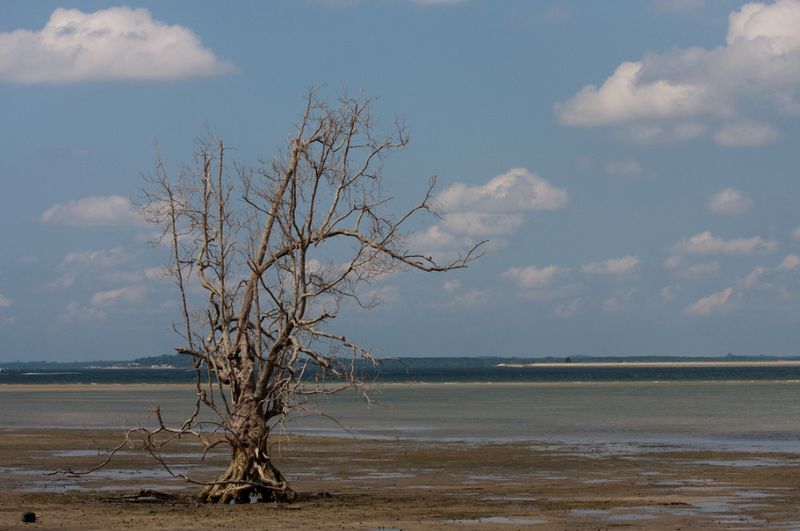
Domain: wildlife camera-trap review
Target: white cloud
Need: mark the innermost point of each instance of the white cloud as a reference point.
(568, 309)
(112, 210)
(649, 134)
(718, 301)
(435, 238)
(5, 302)
(469, 299)
(626, 96)
(451, 285)
(705, 243)
(160, 272)
(796, 233)
(493, 209)
(758, 65)
(100, 259)
(126, 294)
(613, 266)
(619, 302)
(112, 44)
(532, 276)
(729, 202)
(745, 134)
(789, 263)
(752, 278)
(64, 281)
(673, 261)
(480, 225)
(382, 295)
(667, 293)
(75, 312)
(516, 190)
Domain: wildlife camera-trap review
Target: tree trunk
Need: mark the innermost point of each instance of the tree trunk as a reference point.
(250, 476)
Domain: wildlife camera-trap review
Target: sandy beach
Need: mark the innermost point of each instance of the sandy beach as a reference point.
(660, 364)
(397, 484)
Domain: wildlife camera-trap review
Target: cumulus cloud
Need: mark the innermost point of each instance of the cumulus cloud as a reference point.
(451, 285)
(715, 302)
(789, 263)
(382, 295)
(759, 64)
(650, 134)
(613, 266)
(99, 259)
(469, 299)
(516, 190)
(568, 309)
(493, 209)
(112, 44)
(127, 294)
(705, 243)
(627, 96)
(745, 134)
(532, 276)
(667, 293)
(673, 261)
(5, 302)
(161, 273)
(765, 278)
(619, 302)
(93, 211)
(436, 238)
(481, 224)
(753, 278)
(729, 202)
(66, 280)
(74, 312)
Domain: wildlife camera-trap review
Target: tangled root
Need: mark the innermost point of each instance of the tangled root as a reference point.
(248, 477)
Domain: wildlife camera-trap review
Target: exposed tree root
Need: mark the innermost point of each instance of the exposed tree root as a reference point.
(250, 476)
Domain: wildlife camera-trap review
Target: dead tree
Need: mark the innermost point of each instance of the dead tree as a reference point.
(276, 250)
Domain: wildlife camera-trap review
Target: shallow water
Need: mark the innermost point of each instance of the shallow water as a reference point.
(497, 520)
(620, 416)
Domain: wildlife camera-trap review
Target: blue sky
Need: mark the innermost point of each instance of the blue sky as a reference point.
(633, 163)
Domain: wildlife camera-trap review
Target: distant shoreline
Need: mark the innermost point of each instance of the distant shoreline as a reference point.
(590, 364)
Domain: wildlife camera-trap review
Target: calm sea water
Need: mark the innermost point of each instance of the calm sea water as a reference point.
(728, 407)
(439, 375)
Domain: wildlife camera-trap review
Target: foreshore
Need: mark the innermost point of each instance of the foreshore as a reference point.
(401, 484)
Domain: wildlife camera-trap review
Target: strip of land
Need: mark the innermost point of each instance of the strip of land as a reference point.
(396, 484)
(778, 363)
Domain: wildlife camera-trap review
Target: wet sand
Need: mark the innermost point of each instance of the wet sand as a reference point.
(369, 484)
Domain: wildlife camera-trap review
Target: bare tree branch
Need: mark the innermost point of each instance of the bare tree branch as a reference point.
(266, 245)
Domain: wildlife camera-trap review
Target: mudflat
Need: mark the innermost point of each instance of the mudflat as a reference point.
(401, 484)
